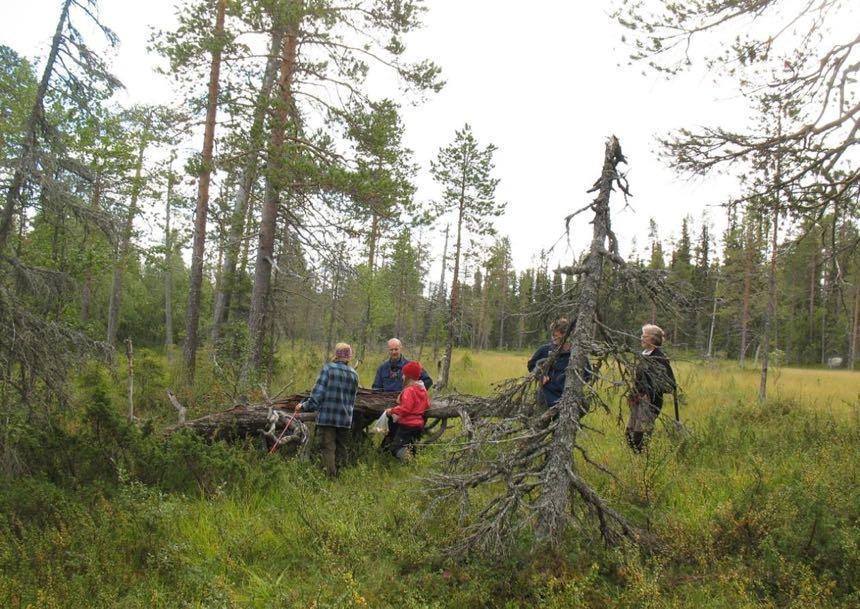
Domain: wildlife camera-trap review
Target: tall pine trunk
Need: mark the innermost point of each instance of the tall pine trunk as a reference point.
(192, 315)
(451, 326)
(745, 303)
(501, 344)
(770, 321)
(246, 184)
(168, 270)
(713, 320)
(855, 326)
(373, 238)
(440, 296)
(268, 220)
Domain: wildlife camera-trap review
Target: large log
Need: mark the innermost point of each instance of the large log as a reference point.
(255, 420)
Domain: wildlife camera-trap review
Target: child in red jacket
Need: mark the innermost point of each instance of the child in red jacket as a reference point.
(408, 416)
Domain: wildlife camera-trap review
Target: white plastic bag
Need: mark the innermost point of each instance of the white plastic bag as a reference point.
(380, 425)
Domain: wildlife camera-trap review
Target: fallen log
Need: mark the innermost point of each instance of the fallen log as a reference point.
(278, 421)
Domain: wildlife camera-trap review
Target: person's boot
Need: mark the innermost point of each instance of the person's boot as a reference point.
(636, 440)
(404, 455)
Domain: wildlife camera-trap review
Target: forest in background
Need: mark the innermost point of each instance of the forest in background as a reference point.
(312, 233)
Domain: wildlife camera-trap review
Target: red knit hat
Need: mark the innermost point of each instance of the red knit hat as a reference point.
(412, 370)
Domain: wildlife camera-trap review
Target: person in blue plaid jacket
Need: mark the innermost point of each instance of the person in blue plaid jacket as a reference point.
(333, 399)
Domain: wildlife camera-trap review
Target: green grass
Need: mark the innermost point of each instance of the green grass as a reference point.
(758, 508)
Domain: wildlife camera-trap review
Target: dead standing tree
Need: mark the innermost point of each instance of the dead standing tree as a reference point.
(528, 453)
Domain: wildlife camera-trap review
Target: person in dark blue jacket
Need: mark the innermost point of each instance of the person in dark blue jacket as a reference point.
(389, 376)
(553, 378)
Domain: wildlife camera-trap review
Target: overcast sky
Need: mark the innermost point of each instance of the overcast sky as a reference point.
(540, 80)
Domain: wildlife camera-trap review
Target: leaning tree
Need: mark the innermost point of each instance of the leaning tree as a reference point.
(43, 175)
(518, 460)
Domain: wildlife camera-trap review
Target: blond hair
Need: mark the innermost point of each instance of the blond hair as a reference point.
(655, 332)
(342, 352)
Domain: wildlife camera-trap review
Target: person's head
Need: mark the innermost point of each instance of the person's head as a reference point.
(342, 353)
(411, 373)
(394, 347)
(558, 329)
(652, 336)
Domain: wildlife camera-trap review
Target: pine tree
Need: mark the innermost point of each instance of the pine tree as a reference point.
(464, 171)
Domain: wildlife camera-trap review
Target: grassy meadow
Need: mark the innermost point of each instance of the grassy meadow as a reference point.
(759, 507)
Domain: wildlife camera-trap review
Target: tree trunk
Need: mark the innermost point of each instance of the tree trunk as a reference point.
(192, 315)
(371, 263)
(243, 421)
(713, 320)
(268, 220)
(745, 306)
(13, 194)
(771, 305)
(246, 183)
(504, 298)
(87, 287)
(813, 280)
(335, 287)
(129, 356)
(455, 302)
(125, 243)
(252, 225)
(440, 297)
(558, 475)
(168, 270)
(481, 329)
(855, 328)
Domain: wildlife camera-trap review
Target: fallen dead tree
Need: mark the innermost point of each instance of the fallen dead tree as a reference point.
(521, 466)
(276, 421)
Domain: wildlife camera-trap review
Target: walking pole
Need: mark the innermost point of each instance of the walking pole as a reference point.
(290, 420)
(675, 401)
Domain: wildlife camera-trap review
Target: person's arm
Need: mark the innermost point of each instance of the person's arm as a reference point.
(538, 355)
(410, 404)
(313, 402)
(377, 380)
(425, 378)
(672, 385)
(587, 372)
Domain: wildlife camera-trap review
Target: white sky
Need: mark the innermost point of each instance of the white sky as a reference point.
(540, 80)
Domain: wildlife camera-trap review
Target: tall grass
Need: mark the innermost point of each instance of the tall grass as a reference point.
(758, 507)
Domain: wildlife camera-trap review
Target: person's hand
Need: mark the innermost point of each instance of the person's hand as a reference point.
(544, 380)
(388, 411)
(300, 406)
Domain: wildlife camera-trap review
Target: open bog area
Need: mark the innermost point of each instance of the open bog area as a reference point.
(753, 506)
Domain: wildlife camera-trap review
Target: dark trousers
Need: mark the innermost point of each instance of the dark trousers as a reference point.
(400, 437)
(643, 414)
(333, 441)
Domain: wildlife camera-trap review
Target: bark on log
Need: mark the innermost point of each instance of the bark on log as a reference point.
(243, 421)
